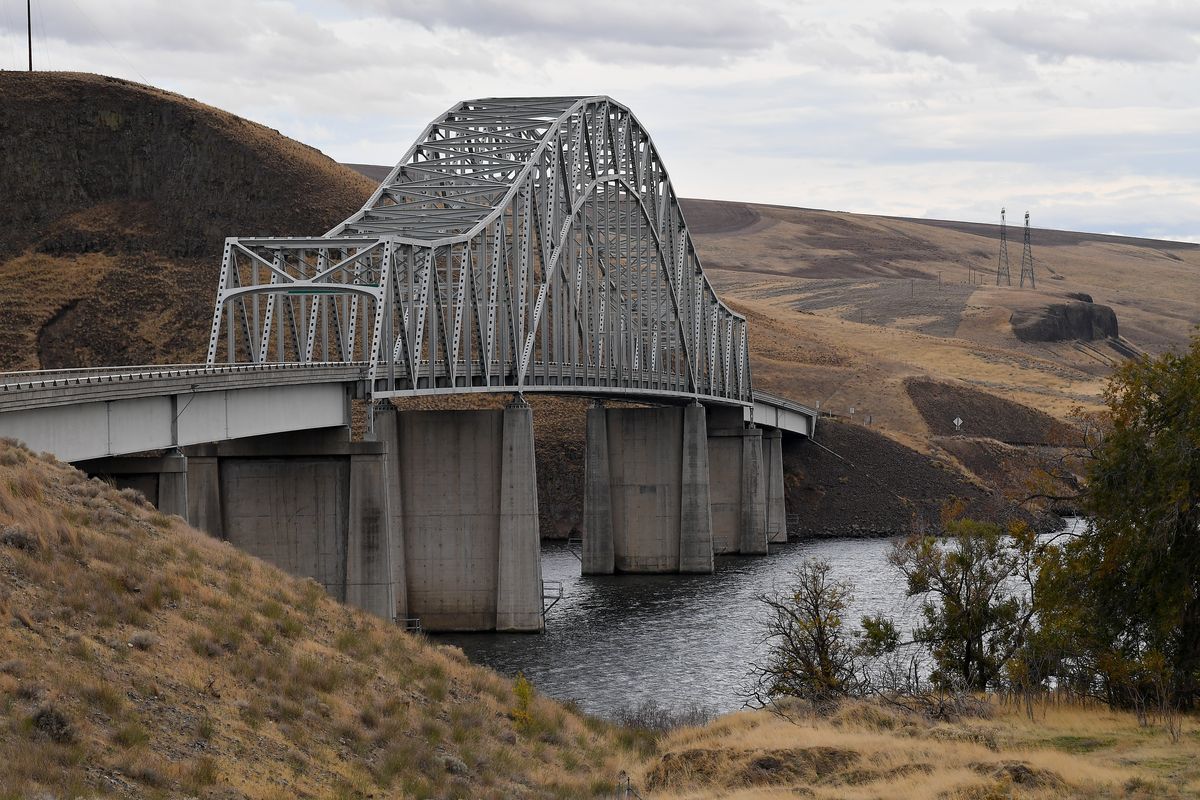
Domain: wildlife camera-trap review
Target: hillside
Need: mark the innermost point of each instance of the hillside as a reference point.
(864, 303)
(865, 751)
(142, 658)
(117, 199)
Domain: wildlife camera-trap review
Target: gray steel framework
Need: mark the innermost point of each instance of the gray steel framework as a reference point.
(521, 243)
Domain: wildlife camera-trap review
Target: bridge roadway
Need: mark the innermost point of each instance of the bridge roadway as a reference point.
(82, 414)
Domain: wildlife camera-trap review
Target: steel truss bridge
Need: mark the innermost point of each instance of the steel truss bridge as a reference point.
(522, 244)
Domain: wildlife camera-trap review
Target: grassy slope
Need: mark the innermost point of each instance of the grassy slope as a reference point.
(143, 658)
(866, 751)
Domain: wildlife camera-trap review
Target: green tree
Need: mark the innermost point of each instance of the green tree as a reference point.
(976, 609)
(1121, 601)
(811, 655)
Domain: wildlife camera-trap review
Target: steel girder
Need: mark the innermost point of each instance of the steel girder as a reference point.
(522, 243)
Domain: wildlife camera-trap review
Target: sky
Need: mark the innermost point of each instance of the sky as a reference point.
(1085, 114)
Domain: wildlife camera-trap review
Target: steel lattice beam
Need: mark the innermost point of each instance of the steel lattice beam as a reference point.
(521, 242)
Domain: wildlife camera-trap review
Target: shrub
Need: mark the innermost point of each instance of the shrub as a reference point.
(650, 716)
(522, 711)
(131, 734)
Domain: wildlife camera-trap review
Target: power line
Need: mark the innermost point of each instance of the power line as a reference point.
(113, 47)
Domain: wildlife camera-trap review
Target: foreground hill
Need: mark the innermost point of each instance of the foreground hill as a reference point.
(143, 658)
(116, 200)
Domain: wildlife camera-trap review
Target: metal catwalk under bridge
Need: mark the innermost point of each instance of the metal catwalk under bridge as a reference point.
(522, 244)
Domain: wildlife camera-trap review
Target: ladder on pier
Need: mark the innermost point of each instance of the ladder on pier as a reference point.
(552, 593)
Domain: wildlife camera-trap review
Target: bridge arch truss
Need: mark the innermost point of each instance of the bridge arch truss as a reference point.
(522, 244)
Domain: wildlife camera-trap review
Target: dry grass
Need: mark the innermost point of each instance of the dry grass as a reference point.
(143, 658)
(829, 298)
(870, 751)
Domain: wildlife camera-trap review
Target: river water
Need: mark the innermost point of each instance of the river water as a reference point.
(682, 641)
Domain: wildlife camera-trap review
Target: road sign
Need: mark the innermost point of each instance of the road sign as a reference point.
(958, 423)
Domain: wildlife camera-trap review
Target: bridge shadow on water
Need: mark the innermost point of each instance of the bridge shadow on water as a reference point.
(681, 640)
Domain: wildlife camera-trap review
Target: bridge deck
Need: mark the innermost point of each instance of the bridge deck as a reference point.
(88, 413)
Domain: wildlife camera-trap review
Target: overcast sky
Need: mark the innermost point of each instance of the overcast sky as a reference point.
(1085, 113)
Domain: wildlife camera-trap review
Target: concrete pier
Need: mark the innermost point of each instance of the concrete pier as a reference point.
(752, 538)
(657, 486)
(468, 494)
(204, 490)
(737, 484)
(386, 431)
(773, 467)
(695, 520)
(314, 504)
(369, 579)
(598, 557)
(161, 479)
(519, 567)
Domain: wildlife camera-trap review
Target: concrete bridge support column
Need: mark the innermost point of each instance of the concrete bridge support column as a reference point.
(468, 498)
(695, 515)
(369, 577)
(597, 558)
(753, 535)
(658, 489)
(519, 567)
(386, 432)
(161, 479)
(204, 490)
(773, 467)
(737, 484)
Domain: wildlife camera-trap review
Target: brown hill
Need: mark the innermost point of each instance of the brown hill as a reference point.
(117, 198)
(142, 658)
(847, 309)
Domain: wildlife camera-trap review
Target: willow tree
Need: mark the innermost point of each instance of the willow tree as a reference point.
(1120, 603)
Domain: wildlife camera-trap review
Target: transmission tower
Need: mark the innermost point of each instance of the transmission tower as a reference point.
(1027, 258)
(1002, 266)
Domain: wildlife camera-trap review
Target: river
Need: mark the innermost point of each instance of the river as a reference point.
(682, 641)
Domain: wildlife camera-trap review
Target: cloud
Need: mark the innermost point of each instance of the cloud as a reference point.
(1086, 113)
(661, 31)
(1145, 34)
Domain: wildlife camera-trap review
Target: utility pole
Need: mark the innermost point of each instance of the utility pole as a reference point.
(29, 30)
(1002, 264)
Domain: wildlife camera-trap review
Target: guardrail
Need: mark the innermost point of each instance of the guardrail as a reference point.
(47, 379)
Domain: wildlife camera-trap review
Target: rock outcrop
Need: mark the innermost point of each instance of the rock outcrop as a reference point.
(1075, 319)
